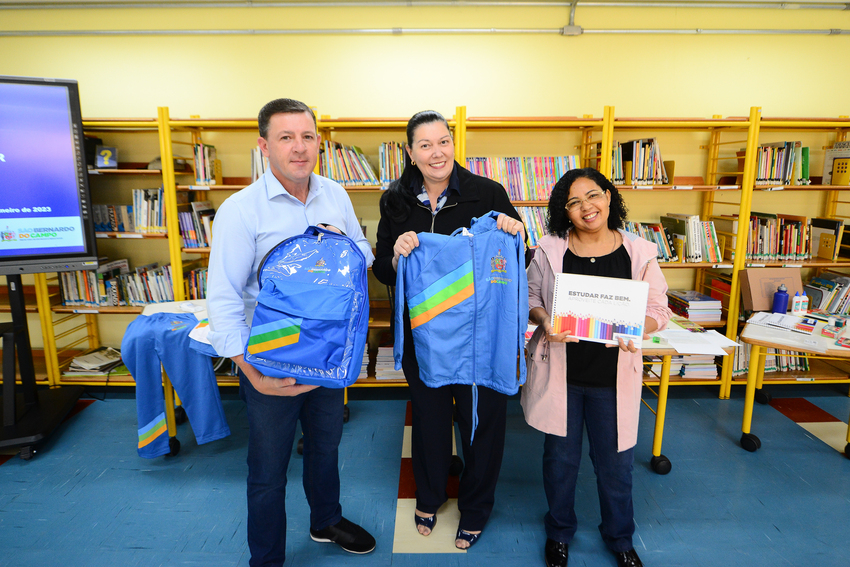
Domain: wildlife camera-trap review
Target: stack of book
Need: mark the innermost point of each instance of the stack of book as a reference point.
(385, 365)
(196, 282)
(684, 366)
(114, 218)
(694, 305)
(102, 361)
(149, 211)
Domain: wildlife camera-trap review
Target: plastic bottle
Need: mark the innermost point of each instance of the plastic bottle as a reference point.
(780, 300)
(805, 304)
(796, 303)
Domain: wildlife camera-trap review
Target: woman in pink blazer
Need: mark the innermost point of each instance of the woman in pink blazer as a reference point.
(574, 384)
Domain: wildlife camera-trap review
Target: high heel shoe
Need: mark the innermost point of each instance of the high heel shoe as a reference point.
(427, 523)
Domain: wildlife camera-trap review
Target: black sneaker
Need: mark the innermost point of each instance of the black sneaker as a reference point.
(349, 536)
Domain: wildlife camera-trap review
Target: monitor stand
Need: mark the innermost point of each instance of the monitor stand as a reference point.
(28, 415)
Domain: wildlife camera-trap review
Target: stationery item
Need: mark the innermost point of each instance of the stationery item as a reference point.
(782, 321)
(843, 342)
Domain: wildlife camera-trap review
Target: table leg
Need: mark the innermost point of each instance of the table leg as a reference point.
(749, 441)
(660, 463)
(170, 420)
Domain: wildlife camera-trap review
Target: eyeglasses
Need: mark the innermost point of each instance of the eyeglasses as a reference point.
(592, 197)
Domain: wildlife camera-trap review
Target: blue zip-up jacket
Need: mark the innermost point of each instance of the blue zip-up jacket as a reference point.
(467, 296)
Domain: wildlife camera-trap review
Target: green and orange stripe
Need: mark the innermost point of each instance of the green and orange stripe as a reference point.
(274, 335)
(442, 295)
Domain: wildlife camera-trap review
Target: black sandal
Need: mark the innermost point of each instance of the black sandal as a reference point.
(466, 536)
(429, 523)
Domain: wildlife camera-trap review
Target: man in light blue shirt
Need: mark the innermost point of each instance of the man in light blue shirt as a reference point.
(287, 199)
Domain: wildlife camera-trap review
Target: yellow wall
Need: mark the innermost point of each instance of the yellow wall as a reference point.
(346, 75)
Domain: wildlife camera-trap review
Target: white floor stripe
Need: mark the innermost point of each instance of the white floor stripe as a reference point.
(407, 539)
(833, 433)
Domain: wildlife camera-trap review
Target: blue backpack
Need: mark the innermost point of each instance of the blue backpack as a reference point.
(312, 313)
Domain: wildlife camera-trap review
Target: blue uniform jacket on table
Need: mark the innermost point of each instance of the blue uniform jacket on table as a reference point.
(312, 313)
(468, 302)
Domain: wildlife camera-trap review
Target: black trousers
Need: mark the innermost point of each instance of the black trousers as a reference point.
(432, 444)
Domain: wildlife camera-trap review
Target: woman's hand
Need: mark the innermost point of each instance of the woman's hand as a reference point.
(510, 225)
(565, 337)
(626, 347)
(404, 246)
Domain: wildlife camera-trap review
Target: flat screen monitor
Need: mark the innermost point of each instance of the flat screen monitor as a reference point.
(45, 212)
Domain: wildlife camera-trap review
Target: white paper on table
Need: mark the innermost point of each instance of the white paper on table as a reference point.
(686, 342)
(718, 339)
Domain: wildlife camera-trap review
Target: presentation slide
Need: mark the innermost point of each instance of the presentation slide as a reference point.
(39, 209)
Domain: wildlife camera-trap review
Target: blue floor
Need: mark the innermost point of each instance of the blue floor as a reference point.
(87, 499)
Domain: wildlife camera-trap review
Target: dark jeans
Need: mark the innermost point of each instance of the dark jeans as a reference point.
(596, 408)
(431, 444)
(271, 423)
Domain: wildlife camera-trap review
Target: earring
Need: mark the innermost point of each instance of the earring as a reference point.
(412, 162)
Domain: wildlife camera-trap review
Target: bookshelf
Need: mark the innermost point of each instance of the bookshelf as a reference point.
(815, 200)
(703, 149)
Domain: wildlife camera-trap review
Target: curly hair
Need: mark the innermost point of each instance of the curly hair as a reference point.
(558, 221)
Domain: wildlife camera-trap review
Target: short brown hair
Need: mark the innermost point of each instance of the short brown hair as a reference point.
(282, 106)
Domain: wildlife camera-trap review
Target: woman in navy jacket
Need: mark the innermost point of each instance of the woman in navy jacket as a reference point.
(435, 194)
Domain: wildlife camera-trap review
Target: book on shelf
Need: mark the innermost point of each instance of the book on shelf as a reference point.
(727, 226)
(647, 166)
(599, 309)
(259, 163)
(524, 178)
(202, 210)
(834, 229)
(655, 232)
(391, 161)
(149, 211)
(781, 163)
(829, 157)
(534, 219)
(347, 165)
(207, 167)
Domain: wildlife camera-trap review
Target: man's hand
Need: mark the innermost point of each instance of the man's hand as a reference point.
(268, 385)
(330, 227)
(279, 386)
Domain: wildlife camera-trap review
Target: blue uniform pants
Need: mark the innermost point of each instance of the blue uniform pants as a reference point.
(271, 433)
(161, 341)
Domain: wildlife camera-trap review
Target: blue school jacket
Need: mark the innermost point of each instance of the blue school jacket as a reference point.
(467, 296)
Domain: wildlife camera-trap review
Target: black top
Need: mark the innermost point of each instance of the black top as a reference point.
(592, 364)
(472, 197)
